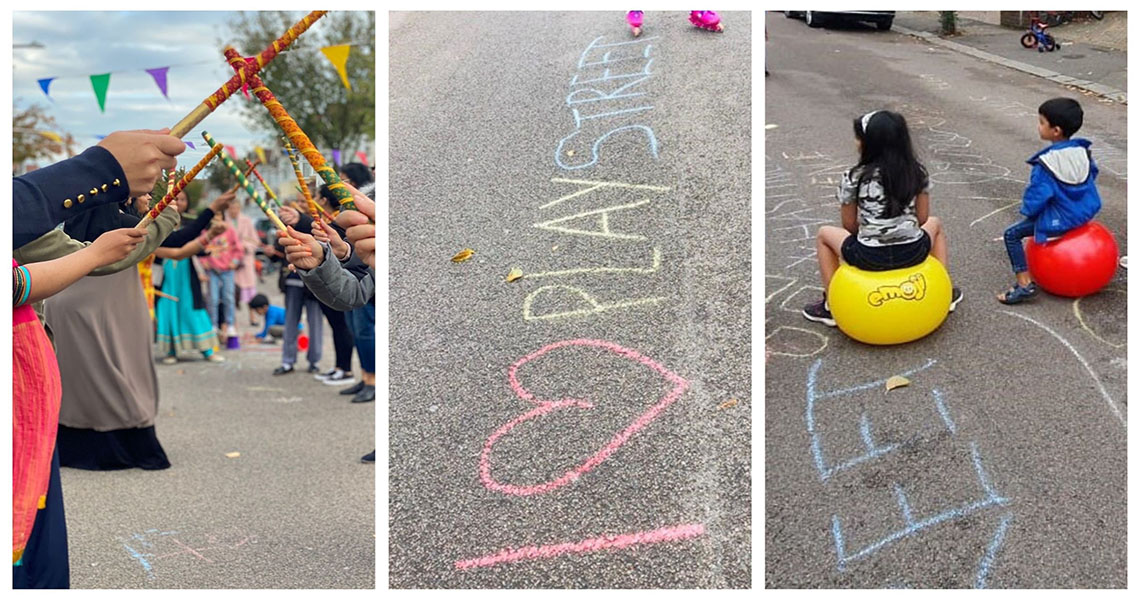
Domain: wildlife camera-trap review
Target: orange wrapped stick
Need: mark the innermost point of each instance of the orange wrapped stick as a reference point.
(174, 189)
(298, 137)
(314, 210)
(228, 88)
(252, 191)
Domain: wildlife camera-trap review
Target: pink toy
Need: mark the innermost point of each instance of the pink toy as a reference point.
(634, 18)
(706, 19)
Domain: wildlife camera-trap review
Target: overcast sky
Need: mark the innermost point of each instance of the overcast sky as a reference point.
(80, 44)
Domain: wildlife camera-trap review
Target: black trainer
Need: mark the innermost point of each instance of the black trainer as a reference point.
(283, 369)
(314, 369)
(354, 390)
(369, 458)
(955, 298)
(368, 394)
(819, 313)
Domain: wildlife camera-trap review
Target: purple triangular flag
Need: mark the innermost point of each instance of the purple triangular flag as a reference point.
(336, 156)
(159, 75)
(44, 84)
(191, 144)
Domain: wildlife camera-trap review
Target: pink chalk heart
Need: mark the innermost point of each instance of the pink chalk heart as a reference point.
(547, 406)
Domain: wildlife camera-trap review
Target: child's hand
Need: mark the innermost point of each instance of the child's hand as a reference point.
(301, 250)
(289, 216)
(117, 244)
(340, 249)
(360, 228)
(216, 228)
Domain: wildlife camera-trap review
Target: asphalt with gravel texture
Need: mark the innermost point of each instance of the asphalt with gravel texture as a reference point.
(295, 508)
(646, 277)
(1003, 463)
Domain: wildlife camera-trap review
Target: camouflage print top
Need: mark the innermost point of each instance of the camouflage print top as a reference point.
(874, 228)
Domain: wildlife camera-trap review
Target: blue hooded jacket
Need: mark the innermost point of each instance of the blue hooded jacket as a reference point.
(1062, 192)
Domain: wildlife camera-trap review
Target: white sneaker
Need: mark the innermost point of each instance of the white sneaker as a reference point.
(324, 376)
(339, 378)
(170, 360)
(1124, 261)
(216, 358)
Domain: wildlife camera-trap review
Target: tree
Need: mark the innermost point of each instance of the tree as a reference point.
(308, 85)
(36, 135)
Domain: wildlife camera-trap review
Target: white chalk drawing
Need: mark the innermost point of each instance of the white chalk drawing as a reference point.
(592, 306)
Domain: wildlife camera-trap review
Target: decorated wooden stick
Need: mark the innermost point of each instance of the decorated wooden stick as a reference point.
(252, 191)
(235, 83)
(298, 137)
(314, 210)
(174, 189)
(247, 173)
(268, 190)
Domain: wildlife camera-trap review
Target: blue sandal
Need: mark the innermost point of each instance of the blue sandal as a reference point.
(1019, 293)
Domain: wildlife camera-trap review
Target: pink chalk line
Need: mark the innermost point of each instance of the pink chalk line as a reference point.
(547, 406)
(605, 542)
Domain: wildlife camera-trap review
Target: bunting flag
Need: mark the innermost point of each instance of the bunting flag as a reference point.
(159, 75)
(191, 145)
(260, 154)
(363, 158)
(51, 135)
(232, 151)
(338, 56)
(45, 84)
(336, 157)
(100, 83)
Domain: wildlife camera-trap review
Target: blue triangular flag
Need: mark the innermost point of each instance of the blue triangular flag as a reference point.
(44, 84)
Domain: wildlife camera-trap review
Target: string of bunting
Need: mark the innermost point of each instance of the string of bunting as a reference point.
(101, 82)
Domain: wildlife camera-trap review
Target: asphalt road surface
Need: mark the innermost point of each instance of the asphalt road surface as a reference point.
(1003, 463)
(295, 508)
(615, 174)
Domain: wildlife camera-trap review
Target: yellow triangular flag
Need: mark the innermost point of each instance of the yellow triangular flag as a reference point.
(51, 135)
(338, 56)
(260, 154)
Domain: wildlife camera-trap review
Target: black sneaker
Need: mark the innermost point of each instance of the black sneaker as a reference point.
(339, 378)
(368, 394)
(955, 298)
(354, 390)
(326, 375)
(369, 458)
(314, 369)
(283, 369)
(819, 313)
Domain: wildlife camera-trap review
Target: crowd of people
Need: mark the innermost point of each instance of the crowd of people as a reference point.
(77, 245)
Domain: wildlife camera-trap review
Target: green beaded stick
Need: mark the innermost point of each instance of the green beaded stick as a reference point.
(247, 184)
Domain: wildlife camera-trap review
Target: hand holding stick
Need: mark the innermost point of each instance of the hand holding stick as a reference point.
(252, 191)
(298, 137)
(234, 84)
(172, 193)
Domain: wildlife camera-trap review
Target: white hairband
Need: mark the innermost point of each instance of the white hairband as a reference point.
(867, 119)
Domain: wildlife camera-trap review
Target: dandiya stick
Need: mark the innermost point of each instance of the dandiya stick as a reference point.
(268, 190)
(247, 173)
(296, 136)
(303, 187)
(173, 189)
(167, 296)
(252, 191)
(235, 83)
(324, 213)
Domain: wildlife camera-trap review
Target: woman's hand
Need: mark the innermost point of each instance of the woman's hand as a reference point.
(221, 203)
(289, 216)
(301, 249)
(115, 245)
(360, 229)
(324, 233)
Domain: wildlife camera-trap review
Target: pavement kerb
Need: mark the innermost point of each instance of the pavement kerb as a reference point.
(1096, 88)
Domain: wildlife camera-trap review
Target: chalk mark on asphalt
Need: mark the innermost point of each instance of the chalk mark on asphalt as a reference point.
(1099, 386)
(1085, 326)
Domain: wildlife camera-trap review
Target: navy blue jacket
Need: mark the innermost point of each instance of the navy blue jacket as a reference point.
(49, 196)
(1062, 192)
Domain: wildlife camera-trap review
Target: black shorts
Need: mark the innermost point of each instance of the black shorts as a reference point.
(885, 258)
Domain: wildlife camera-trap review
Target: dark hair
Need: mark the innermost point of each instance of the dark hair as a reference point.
(326, 193)
(258, 301)
(358, 173)
(887, 150)
(1065, 113)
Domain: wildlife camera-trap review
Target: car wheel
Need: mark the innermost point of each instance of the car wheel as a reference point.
(812, 20)
(884, 25)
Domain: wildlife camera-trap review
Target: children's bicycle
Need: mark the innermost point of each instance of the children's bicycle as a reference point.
(1038, 37)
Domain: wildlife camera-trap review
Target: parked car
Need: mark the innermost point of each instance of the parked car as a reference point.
(881, 18)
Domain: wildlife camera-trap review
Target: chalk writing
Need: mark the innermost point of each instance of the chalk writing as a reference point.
(597, 270)
(601, 219)
(543, 407)
(607, 542)
(592, 307)
(152, 545)
(637, 52)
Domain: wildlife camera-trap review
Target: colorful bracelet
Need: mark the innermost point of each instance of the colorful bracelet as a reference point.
(21, 286)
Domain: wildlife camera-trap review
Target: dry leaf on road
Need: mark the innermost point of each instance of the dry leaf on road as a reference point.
(896, 382)
(233, 454)
(463, 255)
(515, 273)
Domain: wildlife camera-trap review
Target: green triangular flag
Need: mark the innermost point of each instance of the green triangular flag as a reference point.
(100, 83)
